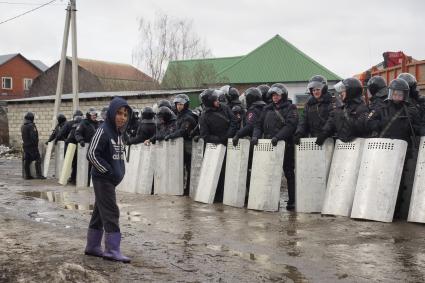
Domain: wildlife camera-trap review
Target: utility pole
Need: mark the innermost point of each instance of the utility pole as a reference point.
(75, 100)
(61, 74)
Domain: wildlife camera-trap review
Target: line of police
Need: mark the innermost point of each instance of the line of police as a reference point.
(395, 112)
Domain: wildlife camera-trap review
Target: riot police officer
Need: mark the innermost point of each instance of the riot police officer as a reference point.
(279, 121)
(185, 125)
(264, 93)
(87, 127)
(133, 124)
(166, 125)
(377, 91)
(347, 121)
(316, 109)
(55, 133)
(414, 98)
(146, 128)
(240, 115)
(30, 144)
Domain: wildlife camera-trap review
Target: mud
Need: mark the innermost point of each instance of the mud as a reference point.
(43, 227)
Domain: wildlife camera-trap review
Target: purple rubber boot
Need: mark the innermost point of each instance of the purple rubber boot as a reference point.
(94, 242)
(112, 248)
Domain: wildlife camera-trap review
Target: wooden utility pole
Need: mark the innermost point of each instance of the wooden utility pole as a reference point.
(75, 100)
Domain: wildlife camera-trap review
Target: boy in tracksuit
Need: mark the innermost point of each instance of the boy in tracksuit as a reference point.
(106, 154)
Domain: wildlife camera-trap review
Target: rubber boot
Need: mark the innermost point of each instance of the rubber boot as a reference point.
(94, 242)
(112, 248)
(38, 170)
(27, 166)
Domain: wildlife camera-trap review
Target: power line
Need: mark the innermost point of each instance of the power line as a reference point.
(27, 12)
(22, 3)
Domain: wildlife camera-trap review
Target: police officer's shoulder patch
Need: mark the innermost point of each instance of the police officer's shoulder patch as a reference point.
(371, 114)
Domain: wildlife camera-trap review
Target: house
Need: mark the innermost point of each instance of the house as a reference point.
(17, 73)
(276, 60)
(93, 76)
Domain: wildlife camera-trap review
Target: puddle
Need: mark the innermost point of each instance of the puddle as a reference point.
(61, 198)
(288, 271)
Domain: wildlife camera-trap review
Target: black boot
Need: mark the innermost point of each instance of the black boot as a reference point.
(27, 169)
(38, 170)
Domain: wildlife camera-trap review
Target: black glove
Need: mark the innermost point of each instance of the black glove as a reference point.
(297, 138)
(196, 138)
(254, 141)
(160, 138)
(235, 141)
(128, 142)
(82, 143)
(167, 137)
(46, 142)
(320, 139)
(274, 141)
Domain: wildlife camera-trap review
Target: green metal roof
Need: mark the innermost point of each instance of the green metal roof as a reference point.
(276, 60)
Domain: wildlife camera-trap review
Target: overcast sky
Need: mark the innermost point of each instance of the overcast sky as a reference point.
(347, 37)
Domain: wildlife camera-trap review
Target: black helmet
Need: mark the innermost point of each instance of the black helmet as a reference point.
(164, 102)
(165, 113)
(375, 84)
(237, 110)
(135, 113)
(398, 87)
(410, 79)
(209, 96)
(29, 116)
(233, 94)
(252, 95)
(182, 98)
(91, 111)
(264, 90)
(318, 81)
(61, 118)
(77, 113)
(222, 97)
(279, 89)
(103, 112)
(148, 113)
(353, 88)
(202, 94)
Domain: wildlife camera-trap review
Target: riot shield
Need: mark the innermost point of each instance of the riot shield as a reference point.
(312, 163)
(236, 172)
(82, 166)
(210, 172)
(67, 164)
(195, 165)
(342, 178)
(146, 168)
(379, 179)
(59, 156)
(47, 156)
(160, 169)
(175, 166)
(266, 176)
(417, 201)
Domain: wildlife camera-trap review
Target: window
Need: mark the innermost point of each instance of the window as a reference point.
(27, 84)
(6, 83)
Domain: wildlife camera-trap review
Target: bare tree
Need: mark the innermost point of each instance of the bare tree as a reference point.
(166, 39)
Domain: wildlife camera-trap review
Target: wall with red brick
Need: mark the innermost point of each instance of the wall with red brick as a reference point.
(17, 68)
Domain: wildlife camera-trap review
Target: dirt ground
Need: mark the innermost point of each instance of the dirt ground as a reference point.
(43, 229)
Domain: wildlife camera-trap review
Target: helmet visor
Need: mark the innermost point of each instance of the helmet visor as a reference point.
(397, 95)
(275, 90)
(315, 85)
(339, 87)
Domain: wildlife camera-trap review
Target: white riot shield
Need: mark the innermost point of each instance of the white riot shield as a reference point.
(160, 169)
(312, 163)
(146, 168)
(32, 170)
(379, 179)
(59, 156)
(417, 201)
(124, 185)
(82, 166)
(195, 165)
(67, 164)
(266, 176)
(47, 156)
(175, 166)
(236, 172)
(210, 172)
(342, 179)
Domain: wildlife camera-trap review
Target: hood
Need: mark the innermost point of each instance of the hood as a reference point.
(114, 105)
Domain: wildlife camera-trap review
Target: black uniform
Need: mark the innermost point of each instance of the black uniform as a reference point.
(30, 145)
(252, 115)
(85, 131)
(347, 121)
(55, 133)
(217, 124)
(145, 131)
(316, 113)
(164, 129)
(279, 122)
(377, 101)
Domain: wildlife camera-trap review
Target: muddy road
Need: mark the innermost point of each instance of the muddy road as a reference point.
(43, 229)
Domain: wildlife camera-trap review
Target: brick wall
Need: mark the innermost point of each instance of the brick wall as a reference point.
(43, 111)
